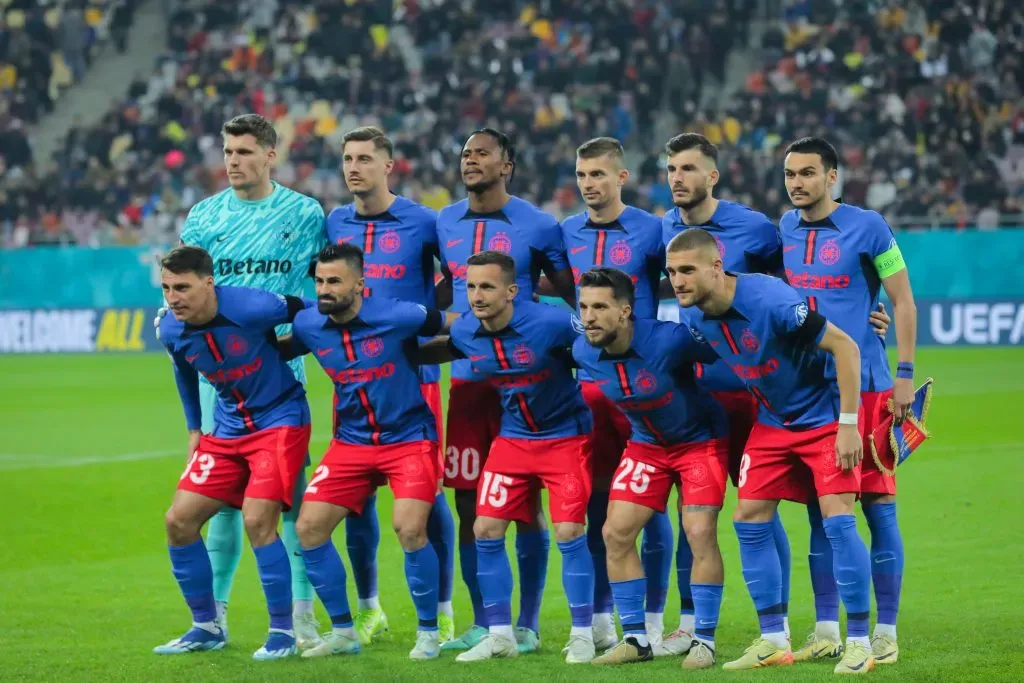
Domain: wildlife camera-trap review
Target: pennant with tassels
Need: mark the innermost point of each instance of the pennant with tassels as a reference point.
(891, 444)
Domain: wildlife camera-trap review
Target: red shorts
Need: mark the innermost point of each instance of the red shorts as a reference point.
(741, 409)
(611, 432)
(780, 464)
(873, 411)
(345, 476)
(261, 465)
(516, 466)
(474, 419)
(432, 395)
(648, 472)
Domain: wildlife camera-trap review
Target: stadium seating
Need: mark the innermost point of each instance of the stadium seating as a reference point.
(925, 108)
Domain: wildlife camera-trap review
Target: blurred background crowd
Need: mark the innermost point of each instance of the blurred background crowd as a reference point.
(923, 99)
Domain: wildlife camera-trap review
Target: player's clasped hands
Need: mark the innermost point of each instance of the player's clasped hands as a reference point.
(849, 447)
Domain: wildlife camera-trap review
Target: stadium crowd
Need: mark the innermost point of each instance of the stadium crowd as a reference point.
(924, 100)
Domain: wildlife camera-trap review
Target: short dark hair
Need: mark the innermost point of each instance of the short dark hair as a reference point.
(692, 238)
(504, 144)
(685, 141)
(613, 279)
(349, 253)
(254, 125)
(819, 146)
(592, 149)
(370, 134)
(495, 258)
(188, 259)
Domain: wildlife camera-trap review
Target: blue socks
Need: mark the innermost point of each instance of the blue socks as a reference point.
(785, 558)
(597, 513)
(468, 563)
(684, 566)
(707, 601)
(301, 588)
(362, 537)
(656, 557)
(578, 580)
(421, 573)
(327, 574)
(190, 565)
(629, 601)
(495, 581)
(532, 549)
(441, 534)
(276, 577)
(852, 568)
(762, 573)
(886, 559)
(819, 559)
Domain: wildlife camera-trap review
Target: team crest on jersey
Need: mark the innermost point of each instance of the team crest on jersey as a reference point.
(721, 246)
(389, 242)
(646, 382)
(620, 253)
(236, 346)
(749, 341)
(500, 242)
(372, 346)
(829, 252)
(523, 355)
(572, 487)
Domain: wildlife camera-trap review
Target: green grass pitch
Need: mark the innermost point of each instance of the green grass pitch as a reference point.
(92, 447)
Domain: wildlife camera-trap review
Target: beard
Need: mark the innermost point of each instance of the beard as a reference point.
(481, 185)
(606, 338)
(335, 306)
(699, 195)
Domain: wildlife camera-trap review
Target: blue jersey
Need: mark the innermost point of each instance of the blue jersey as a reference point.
(399, 247)
(265, 244)
(235, 352)
(521, 230)
(371, 360)
(838, 264)
(771, 343)
(749, 243)
(530, 362)
(653, 384)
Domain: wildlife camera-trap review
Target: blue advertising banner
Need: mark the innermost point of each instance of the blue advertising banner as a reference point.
(78, 330)
(968, 322)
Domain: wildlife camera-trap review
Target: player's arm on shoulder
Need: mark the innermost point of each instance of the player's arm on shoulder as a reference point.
(555, 263)
(444, 294)
(187, 380)
(292, 345)
(270, 310)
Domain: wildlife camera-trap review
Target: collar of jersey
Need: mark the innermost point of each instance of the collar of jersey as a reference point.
(825, 223)
(498, 215)
(354, 322)
(517, 312)
(216, 321)
(374, 218)
(255, 202)
(732, 313)
(630, 353)
(611, 225)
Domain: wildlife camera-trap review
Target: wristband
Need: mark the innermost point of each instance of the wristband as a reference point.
(848, 419)
(905, 371)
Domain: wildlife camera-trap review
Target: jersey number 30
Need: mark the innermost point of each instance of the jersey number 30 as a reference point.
(465, 462)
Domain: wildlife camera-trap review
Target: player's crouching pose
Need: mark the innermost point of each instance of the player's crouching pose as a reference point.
(806, 431)
(645, 367)
(384, 427)
(257, 449)
(523, 348)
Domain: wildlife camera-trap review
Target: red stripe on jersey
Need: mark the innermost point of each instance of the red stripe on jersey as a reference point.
(246, 415)
(759, 395)
(812, 237)
(499, 353)
(728, 338)
(698, 370)
(620, 371)
(368, 238)
(478, 236)
(211, 344)
(367, 292)
(602, 237)
(653, 430)
(524, 408)
(350, 350)
(371, 416)
(812, 303)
